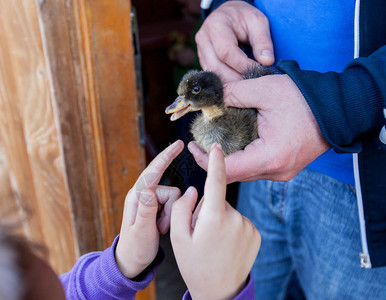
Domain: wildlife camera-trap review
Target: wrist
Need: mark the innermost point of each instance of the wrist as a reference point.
(128, 268)
(357, 113)
(134, 270)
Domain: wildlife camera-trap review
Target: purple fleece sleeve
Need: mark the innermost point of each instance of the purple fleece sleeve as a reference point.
(96, 276)
(248, 293)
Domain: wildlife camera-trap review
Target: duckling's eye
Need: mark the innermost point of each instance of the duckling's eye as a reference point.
(196, 90)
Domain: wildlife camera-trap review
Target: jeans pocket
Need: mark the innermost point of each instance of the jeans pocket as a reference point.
(277, 192)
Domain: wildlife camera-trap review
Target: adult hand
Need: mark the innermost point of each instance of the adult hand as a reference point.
(214, 253)
(219, 36)
(289, 136)
(139, 238)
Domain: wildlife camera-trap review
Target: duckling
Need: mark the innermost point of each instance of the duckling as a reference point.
(232, 127)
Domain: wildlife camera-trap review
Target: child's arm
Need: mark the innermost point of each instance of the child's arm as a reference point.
(129, 264)
(216, 246)
(139, 240)
(97, 276)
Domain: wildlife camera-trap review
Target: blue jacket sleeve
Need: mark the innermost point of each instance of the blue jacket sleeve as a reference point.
(217, 3)
(248, 293)
(348, 106)
(96, 276)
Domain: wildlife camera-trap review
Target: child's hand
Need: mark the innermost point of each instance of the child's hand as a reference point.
(216, 254)
(139, 238)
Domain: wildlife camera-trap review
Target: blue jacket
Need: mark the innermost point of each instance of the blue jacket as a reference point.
(350, 108)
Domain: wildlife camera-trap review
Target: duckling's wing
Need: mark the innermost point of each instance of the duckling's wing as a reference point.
(244, 120)
(240, 128)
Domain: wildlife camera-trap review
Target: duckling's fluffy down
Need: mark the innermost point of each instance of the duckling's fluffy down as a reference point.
(233, 130)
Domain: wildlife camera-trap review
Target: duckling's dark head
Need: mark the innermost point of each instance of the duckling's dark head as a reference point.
(197, 90)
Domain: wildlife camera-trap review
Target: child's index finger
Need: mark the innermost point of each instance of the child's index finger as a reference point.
(215, 185)
(151, 176)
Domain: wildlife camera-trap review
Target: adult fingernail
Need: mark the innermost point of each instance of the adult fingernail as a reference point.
(266, 53)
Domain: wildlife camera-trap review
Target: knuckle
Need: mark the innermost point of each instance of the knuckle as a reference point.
(199, 36)
(260, 18)
(223, 53)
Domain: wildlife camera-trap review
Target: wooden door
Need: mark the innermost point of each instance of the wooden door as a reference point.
(69, 113)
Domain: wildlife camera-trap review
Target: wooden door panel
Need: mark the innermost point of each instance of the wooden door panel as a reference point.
(69, 108)
(29, 136)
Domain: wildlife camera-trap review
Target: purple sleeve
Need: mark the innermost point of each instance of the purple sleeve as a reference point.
(248, 293)
(96, 276)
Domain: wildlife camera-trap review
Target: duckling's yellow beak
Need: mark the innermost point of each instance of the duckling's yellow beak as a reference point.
(179, 108)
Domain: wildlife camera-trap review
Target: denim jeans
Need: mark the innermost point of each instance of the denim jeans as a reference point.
(309, 225)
